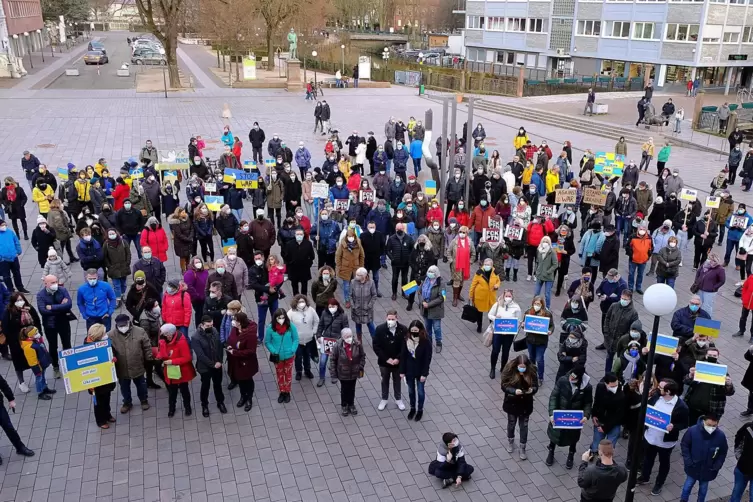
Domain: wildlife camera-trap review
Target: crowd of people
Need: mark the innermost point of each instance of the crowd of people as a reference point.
(328, 253)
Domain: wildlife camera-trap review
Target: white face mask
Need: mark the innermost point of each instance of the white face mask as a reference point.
(301, 305)
(332, 310)
(156, 310)
(391, 324)
(613, 390)
(280, 320)
(20, 303)
(709, 428)
(123, 329)
(537, 307)
(507, 300)
(372, 230)
(259, 262)
(701, 343)
(348, 339)
(232, 257)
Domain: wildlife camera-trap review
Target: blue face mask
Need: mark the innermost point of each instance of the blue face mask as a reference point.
(611, 281)
(522, 370)
(694, 308)
(633, 352)
(624, 302)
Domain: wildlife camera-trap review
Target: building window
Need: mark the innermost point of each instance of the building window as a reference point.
(718, 1)
(643, 31)
(686, 1)
(682, 32)
(731, 37)
(747, 35)
(516, 24)
(618, 29)
(589, 28)
(738, 1)
(507, 58)
(495, 24)
(475, 22)
(536, 25)
(711, 40)
(651, 0)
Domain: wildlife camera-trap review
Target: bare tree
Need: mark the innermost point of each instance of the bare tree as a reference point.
(275, 13)
(162, 19)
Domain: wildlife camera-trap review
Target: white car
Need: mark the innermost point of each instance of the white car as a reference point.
(147, 44)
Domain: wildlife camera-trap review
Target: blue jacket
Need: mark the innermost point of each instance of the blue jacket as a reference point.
(702, 453)
(4, 296)
(400, 159)
(338, 192)
(57, 308)
(228, 139)
(225, 326)
(90, 253)
(284, 345)
(608, 288)
(96, 301)
(382, 220)
(328, 233)
(303, 158)
(736, 233)
(661, 240)
(590, 245)
(540, 185)
(10, 246)
(203, 228)
(416, 147)
(380, 160)
(683, 323)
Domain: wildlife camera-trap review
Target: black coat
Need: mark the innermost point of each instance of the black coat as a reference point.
(748, 378)
(300, 259)
(608, 408)
(258, 280)
(418, 364)
(42, 242)
(565, 357)
(399, 252)
(389, 346)
(521, 405)
(420, 261)
(226, 226)
(256, 137)
(563, 398)
(208, 349)
(373, 248)
(129, 222)
(16, 208)
(610, 253)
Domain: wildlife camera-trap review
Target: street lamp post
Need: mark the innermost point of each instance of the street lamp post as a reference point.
(26, 35)
(41, 44)
(386, 57)
(659, 300)
(313, 55)
(342, 50)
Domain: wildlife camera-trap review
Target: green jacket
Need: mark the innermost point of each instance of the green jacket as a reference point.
(546, 267)
(664, 154)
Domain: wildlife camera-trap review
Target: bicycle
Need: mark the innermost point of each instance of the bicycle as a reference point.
(743, 95)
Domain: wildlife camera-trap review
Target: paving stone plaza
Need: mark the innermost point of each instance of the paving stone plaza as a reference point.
(305, 450)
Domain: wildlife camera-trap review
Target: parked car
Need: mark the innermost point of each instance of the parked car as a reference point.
(151, 58)
(148, 44)
(96, 57)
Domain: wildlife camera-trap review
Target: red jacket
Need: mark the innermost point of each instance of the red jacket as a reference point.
(237, 150)
(120, 194)
(176, 309)
(157, 240)
(179, 354)
(433, 215)
(242, 363)
(748, 293)
(530, 151)
(305, 223)
(462, 217)
(537, 231)
(480, 217)
(354, 182)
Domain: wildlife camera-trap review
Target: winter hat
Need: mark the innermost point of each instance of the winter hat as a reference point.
(168, 329)
(71, 166)
(173, 283)
(333, 301)
(659, 200)
(634, 343)
(41, 219)
(139, 275)
(637, 325)
(453, 220)
(122, 320)
(609, 228)
(667, 223)
(259, 212)
(578, 371)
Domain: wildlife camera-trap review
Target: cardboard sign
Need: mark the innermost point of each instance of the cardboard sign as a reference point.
(594, 197)
(506, 326)
(171, 176)
(342, 205)
(738, 221)
(227, 244)
(566, 196)
(270, 164)
(689, 194)
(366, 196)
(247, 180)
(87, 366)
(657, 419)
(536, 324)
(214, 202)
(491, 235)
(708, 327)
(430, 188)
(609, 164)
(137, 173)
(567, 419)
(63, 173)
(172, 166)
(320, 190)
(328, 344)
(89, 377)
(713, 202)
(545, 211)
(514, 233)
(210, 187)
(249, 164)
(710, 373)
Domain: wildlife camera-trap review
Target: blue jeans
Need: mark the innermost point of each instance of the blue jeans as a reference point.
(238, 213)
(434, 325)
(125, 389)
(415, 383)
(703, 487)
(261, 311)
(369, 325)
(670, 281)
(547, 285)
(41, 383)
(609, 361)
(323, 358)
(136, 239)
(731, 245)
(613, 435)
(346, 289)
(634, 268)
(741, 481)
(389, 166)
(678, 124)
(707, 299)
(119, 285)
(536, 353)
(623, 228)
(375, 277)
(91, 321)
(417, 166)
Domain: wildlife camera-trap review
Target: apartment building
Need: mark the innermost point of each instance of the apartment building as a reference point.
(670, 40)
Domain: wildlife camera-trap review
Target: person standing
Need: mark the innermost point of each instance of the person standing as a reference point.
(176, 306)
(704, 449)
(10, 250)
(546, 268)
(639, 250)
(571, 392)
(96, 301)
(13, 199)
(504, 308)
(266, 296)
(256, 137)
(399, 246)
(117, 262)
(590, 100)
(538, 342)
(300, 253)
(346, 363)
(306, 321)
(388, 341)
(55, 304)
(183, 236)
(658, 442)
(262, 232)
(7, 425)
(483, 291)
(133, 352)
(607, 412)
(129, 221)
(281, 340)
(195, 279)
(723, 116)
(620, 317)
(599, 482)
(461, 254)
(175, 352)
(373, 243)
(242, 361)
(102, 412)
(415, 361)
(208, 349)
(709, 278)
(520, 384)
(744, 454)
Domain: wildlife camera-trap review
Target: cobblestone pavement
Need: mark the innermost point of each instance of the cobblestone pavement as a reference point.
(304, 450)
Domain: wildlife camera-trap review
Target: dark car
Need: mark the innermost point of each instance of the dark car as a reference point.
(97, 46)
(95, 57)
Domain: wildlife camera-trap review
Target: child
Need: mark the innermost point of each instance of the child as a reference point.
(450, 465)
(200, 145)
(276, 274)
(237, 146)
(38, 359)
(57, 267)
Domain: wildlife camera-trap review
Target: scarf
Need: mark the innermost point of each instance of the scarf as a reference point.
(280, 328)
(570, 344)
(351, 245)
(10, 193)
(631, 370)
(411, 345)
(426, 288)
(463, 258)
(26, 319)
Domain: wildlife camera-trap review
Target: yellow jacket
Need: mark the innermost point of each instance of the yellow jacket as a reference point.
(83, 189)
(40, 197)
(519, 142)
(484, 294)
(98, 168)
(552, 181)
(344, 166)
(411, 126)
(648, 148)
(527, 175)
(29, 353)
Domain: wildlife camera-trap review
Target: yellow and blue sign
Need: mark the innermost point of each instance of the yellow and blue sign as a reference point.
(63, 173)
(230, 175)
(270, 163)
(249, 164)
(87, 366)
(666, 345)
(710, 373)
(411, 287)
(431, 188)
(609, 164)
(89, 377)
(536, 324)
(137, 173)
(227, 244)
(170, 176)
(506, 326)
(214, 202)
(247, 180)
(708, 327)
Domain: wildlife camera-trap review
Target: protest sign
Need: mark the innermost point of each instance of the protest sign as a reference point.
(609, 164)
(738, 221)
(666, 345)
(227, 244)
(594, 197)
(567, 419)
(63, 173)
(708, 327)
(506, 326)
(230, 175)
(342, 204)
(689, 194)
(513, 233)
(214, 202)
(210, 187)
(329, 344)
(536, 324)
(137, 173)
(546, 211)
(247, 180)
(710, 373)
(566, 196)
(431, 188)
(366, 196)
(713, 202)
(320, 190)
(87, 366)
(657, 419)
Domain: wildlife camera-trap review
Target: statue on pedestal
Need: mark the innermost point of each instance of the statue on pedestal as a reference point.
(292, 44)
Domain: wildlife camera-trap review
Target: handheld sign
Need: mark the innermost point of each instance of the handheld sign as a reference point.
(506, 326)
(230, 175)
(366, 196)
(546, 211)
(567, 419)
(137, 173)
(710, 373)
(214, 202)
(63, 173)
(320, 190)
(566, 196)
(269, 164)
(513, 233)
(227, 244)
(536, 324)
(87, 366)
(494, 231)
(609, 164)
(170, 176)
(713, 202)
(594, 197)
(329, 344)
(689, 194)
(666, 345)
(247, 180)
(249, 164)
(708, 327)
(657, 419)
(431, 188)
(210, 187)
(411, 287)
(738, 221)
(342, 204)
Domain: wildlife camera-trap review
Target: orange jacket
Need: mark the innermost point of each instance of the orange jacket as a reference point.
(480, 218)
(639, 248)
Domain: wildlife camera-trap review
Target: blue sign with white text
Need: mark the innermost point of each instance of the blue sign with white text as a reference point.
(567, 419)
(506, 326)
(536, 324)
(85, 355)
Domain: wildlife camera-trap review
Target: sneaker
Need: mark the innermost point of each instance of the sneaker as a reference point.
(353, 411)
(738, 284)
(334, 381)
(23, 387)
(144, 405)
(447, 483)
(656, 490)
(510, 445)
(528, 278)
(126, 408)
(400, 404)
(739, 333)
(382, 405)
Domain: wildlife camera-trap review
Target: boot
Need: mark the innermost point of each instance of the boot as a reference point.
(507, 274)
(523, 455)
(550, 457)
(515, 275)
(510, 445)
(455, 296)
(569, 463)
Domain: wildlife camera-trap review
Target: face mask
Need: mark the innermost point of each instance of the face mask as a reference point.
(332, 310)
(299, 238)
(641, 232)
(701, 343)
(461, 234)
(461, 206)
(112, 235)
(537, 307)
(453, 225)
(613, 390)
(586, 279)
(694, 308)
(301, 305)
(675, 174)
(741, 211)
(712, 360)
(156, 310)
(391, 324)
(624, 302)
(220, 270)
(487, 268)
(372, 230)
(635, 335)
(147, 256)
(171, 290)
(20, 303)
(212, 295)
(633, 352)
(521, 370)
(87, 238)
(127, 206)
(673, 244)
(245, 227)
(709, 428)
(574, 306)
(92, 282)
(348, 339)
(325, 217)
(280, 320)
(483, 203)
(259, 262)
(431, 275)
(123, 329)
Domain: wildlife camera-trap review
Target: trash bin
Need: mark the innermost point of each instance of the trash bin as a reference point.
(421, 90)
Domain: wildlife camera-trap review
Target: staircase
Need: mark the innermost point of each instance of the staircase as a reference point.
(584, 125)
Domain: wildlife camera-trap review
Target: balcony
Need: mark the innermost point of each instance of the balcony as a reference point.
(459, 7)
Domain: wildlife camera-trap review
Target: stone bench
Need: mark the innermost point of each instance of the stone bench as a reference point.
(71, 72)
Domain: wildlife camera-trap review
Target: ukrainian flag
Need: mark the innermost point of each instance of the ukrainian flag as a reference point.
(710, 373)
(411, 287)
(666, 345)
(269, 163)
(708, 327)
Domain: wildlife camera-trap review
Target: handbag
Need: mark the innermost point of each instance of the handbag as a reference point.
(695, 288)
(488, 336)
(470, 313)
(519, 343)
(70, 316)
(173, 372)
(742, 254)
